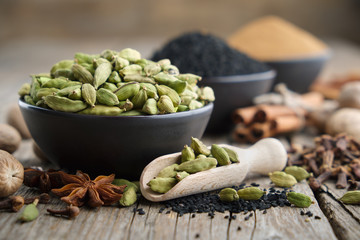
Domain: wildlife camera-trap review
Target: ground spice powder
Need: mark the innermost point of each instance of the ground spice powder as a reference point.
(272, 38)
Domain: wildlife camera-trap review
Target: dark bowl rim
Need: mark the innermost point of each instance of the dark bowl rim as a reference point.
(206, 108)
(325, 55)
(268, 75)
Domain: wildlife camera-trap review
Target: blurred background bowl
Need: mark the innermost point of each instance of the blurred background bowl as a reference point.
(123, 145)
(299, 74)
(233, 92)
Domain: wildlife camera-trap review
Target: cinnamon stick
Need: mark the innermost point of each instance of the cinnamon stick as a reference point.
(241, 133)
(244, 115)
(271, 112)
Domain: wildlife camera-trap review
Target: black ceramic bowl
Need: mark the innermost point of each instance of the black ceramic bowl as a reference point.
(233, 92)
(123, 145)
(299, 74)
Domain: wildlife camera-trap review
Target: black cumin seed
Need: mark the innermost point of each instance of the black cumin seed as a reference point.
(264, 212)
(254, 184)
(233, 217)
(317, 217)
(167, 212)
(193, 215)
(141, 212)
(197, 235)
(226, 217)
(239, 228)
(302, 213)
(161, 210)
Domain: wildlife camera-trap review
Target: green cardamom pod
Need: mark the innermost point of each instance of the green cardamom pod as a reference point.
(299, 199)
(228, 195)
(42, 80)
(130, 54)
(65, 73)
(128, 198)
(143, 62)
(102, 110)
(56, 83)
(132, 113)
(194, 104)
(171, 93)
(201, 156)
(232, 155)
(120, 63)
(132, 69)
(164, 78)
(190, 78)
(150, 107)
(168, 172)
(162, 185)
(28, 99)
(30, 212)
(64, 64)
(82, 74)
(220, 154)
(152, 69)
(183, 108)
(139, 99)
(351, 197)
(65, 92)
(151, 90)
(126, 105)
(206, 94)
(106, 97)
(138, 78)
(102, 73)
(121, 182)
(81, 58)
(298, 172)
(114, 77)
(97, 62)
(187, 154)
(282, 179)
(189, 93)
(88, 93)
(43, 92)
(171, 70)
(24, 89)
(164, 62)
(186, 100)
(35, 86)
(165, 105)
(181, 175)
(197, 165)
(108, 54)
(41, 103)
(110, 86)
(127, 91)
(75, 94)
(199, 147)
(250, 193)
(64, 104)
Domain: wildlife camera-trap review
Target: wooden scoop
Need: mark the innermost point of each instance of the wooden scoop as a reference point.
(266, 156)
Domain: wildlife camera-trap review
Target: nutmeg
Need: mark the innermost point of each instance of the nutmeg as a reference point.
(11, 174)
(15, 119)
(10, 138)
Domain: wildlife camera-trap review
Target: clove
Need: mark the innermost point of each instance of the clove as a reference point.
(43, 198)
(14, 203)
(354, 185)
(70, 212)
(315, 183)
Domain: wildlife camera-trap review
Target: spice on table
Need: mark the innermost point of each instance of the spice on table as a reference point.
(11, 174)
(13, 203)
(30, 212)
(332, 157)
(272, 38)
(351, 197)
(207, 55)
(43, 198)
(80, 190)
(69, 212)
(10, 138)
(44, 180)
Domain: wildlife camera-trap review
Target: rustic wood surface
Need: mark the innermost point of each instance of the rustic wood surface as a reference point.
(338, 221)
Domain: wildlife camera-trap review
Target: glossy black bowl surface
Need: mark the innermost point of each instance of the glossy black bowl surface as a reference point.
(123, 145)
(233, 92)
(299, 74)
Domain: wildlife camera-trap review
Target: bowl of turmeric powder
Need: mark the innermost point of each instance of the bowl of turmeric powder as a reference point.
(297, 56)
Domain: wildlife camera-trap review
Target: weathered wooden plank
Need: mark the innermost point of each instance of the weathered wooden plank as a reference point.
(343, 222)
(219, 226)
(240, 228)
(182, 226)
(164, 225)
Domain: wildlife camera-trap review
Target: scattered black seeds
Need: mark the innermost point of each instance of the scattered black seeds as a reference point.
(302, 213)
(193, 215)
(239, 228)
(251, 214)
(254, 184)
(197, 235)
(161, 210)
(227, 216)
(317, 217)
(309, 214)
(264, 212)
(246, 218)
(167, 212)
(207, 55)
(233, 217)
(141, 212)
(140, 209)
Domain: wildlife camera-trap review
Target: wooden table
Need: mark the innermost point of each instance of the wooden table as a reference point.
(337, 221)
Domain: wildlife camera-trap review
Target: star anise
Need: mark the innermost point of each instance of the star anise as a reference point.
(44, 180)
(80, 190)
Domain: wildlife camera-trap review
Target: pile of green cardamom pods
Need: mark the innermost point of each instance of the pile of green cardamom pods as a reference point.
(196, 158)
(116, 83)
